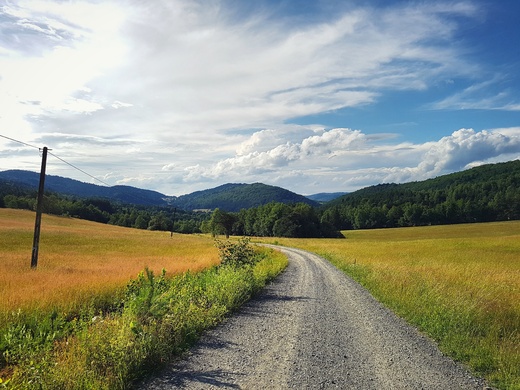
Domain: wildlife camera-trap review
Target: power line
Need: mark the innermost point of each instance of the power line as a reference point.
(20, 142)
(59, 158)
(79, 169)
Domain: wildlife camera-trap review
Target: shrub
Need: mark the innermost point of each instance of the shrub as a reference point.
(237, 254)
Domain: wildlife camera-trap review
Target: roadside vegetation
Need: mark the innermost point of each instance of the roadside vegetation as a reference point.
(460, 284)
(80, 322)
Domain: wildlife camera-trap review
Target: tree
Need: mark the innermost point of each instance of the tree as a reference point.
(222, 222)
(159, 222)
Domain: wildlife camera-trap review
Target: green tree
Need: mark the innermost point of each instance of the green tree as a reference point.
(222, 222)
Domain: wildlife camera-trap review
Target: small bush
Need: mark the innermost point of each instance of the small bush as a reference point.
(239, 254)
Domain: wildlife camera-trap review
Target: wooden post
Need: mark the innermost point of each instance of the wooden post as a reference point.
(37, 224)
(173, 221)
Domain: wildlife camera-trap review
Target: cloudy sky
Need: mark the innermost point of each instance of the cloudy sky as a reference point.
(313, 96)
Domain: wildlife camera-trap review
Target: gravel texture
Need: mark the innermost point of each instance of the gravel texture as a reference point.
(314, 328)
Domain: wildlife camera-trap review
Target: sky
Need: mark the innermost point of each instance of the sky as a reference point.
(312, 96)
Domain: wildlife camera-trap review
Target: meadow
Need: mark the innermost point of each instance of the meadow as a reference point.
(78, 258)
(460, 284)
(108, 305)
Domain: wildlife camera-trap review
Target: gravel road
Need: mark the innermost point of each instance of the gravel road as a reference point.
(314, 328)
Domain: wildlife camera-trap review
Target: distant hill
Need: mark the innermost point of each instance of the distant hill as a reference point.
(324, 197)
(508, 172)
(234, 197)
(62, 185)
(482, 194)
(228, 197)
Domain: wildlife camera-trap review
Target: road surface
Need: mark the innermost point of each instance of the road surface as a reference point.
(314, 328)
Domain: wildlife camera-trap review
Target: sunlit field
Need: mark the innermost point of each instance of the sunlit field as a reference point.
(98, 312)
(78, 258)
(458, 283)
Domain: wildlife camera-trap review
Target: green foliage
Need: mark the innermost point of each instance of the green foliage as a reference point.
(282, 220)
(234, 197)
(221, 223)
(105, 211)
(239, 254)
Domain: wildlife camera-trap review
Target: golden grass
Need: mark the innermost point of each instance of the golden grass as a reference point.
(79, 259)
(476, 260)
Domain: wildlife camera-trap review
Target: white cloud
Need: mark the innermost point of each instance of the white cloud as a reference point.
(345, 159)
(117, 104)
(53, 51)
(479, 97)
(461, 150)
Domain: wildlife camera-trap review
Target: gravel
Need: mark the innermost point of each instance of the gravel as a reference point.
(314, 328)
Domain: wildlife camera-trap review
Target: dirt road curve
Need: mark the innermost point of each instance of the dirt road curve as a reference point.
(314, 328)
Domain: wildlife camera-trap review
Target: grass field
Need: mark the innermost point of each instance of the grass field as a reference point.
(98, 312)
(78, 258)
(460, 284)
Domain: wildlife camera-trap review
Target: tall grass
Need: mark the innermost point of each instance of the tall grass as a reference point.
(97, 331)
(159, 319)
(460, 284)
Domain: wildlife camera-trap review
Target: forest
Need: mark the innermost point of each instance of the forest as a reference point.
(482, 194)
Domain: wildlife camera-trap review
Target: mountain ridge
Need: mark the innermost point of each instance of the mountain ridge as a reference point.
(229, 197)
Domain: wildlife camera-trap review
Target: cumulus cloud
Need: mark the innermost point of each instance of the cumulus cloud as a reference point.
(344, 157)
(461, 150)
(464, 146)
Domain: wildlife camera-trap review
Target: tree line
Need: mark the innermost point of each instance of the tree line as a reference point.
(109, 212)
(483, 194)
(490, 193)
(271, 220)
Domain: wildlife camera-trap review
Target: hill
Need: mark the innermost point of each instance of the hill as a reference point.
(228, 197)
(65, 186)
(482, 194)
(324, 197)
(234, 197)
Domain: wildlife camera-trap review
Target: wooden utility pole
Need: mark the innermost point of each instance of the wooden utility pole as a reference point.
(173, 221)
(37, 224)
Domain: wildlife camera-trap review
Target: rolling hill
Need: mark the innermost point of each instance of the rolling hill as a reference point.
(482, 194)
(234, 197)
(324, 197)
(65, 186)
(228, 197)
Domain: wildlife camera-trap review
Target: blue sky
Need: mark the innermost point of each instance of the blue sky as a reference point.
(313, 96)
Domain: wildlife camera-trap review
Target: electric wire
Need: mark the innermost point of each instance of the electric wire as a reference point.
(20, 142)
(66, 162)
(59, 158)
(79, 169)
